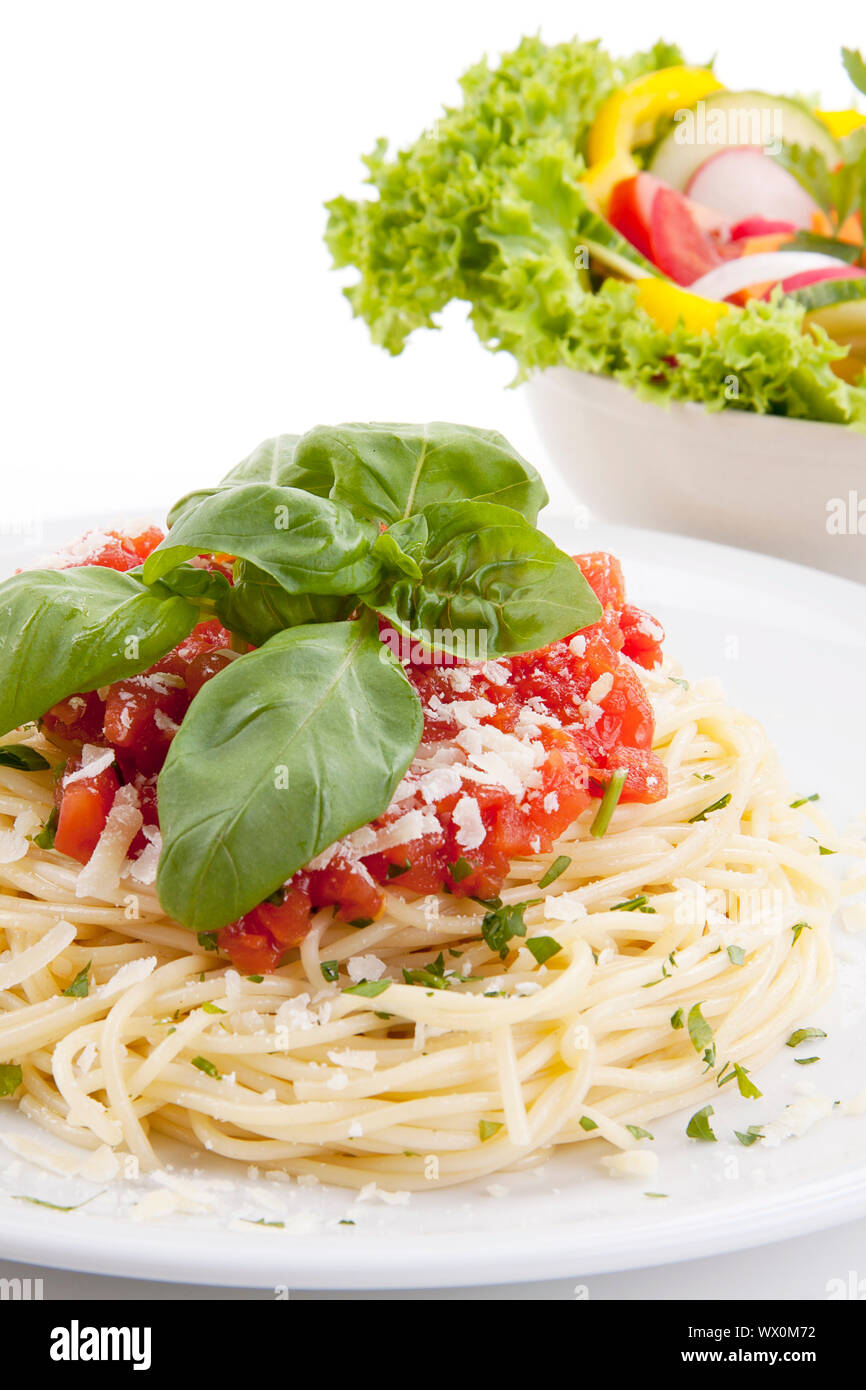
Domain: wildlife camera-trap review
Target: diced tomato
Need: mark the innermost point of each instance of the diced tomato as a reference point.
(258, 940)
(78, 719)
(643, 636)
(84, 807)
(115, 550)
(679, 246)
(350, 887)
(603, 574)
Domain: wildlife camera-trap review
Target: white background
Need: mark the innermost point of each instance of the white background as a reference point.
(167, 300)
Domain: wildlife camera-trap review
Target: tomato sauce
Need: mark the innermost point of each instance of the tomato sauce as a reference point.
(513, 751)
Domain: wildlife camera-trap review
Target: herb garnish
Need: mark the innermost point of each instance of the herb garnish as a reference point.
(80, 987)
(553, 870)
(612, 794)
(699, 1126)
(504, 922)
(719, 805)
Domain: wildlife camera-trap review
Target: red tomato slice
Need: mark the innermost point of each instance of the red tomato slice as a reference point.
(630, 210)
(679, 247)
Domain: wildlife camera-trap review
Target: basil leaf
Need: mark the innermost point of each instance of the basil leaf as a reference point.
(285, 751)
(256, 606)
(485, 573)
(391, 471)
(270, 462)
(308, 544)
(200, 585)
(70, 631)
(22, 757)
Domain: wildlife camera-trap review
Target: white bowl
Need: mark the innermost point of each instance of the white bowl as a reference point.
(792, 488)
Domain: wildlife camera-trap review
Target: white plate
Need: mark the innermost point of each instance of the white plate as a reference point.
(789, 644)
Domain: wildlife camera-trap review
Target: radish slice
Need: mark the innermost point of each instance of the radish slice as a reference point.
(731, 276)
(744, 182)
(814, 277)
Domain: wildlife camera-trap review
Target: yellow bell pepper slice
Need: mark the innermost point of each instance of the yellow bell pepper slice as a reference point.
(842, 123)
(668, 304)
(628, 118)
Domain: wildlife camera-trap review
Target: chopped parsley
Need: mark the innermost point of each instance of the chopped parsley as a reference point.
(11, 1077)
(460, 869)
(752, 1134)
(504, 922)
(368, 988)
(736, 955)
(637, 1133)
(802, 1034)
(487, 1129)
(394, 871)
(45, 838)
(543, 947)
(746, 1087)
(677, 1020)
(80, 987)
(432, 974)
(701, 1035)
(678, 680)
(699, 1126)
(211, 1008)
(798, 929)
(552, 872)
(638, 904)
(586, 1123)
(255, 979)
(330, 970)
(360, 921)
(207, 940)
(802, 800)
(708, 810)
(806, 1061)
(207, 1067)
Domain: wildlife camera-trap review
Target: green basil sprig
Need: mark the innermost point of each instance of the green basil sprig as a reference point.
(308, 544)
(256, 607)
(304, 739)
(481, 568)
(392, 471)
(64, 631)
(281, 754)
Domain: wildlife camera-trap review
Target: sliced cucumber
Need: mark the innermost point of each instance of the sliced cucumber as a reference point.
(827, 294)
(839, 307)
(605, 245)
(726, 119)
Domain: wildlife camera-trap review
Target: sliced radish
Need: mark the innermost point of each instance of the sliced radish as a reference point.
(679, 246)
(759, 226)
(767, 266)
(814, 277)
(743, 182)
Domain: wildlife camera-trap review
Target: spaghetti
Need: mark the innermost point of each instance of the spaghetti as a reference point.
(334, 1065)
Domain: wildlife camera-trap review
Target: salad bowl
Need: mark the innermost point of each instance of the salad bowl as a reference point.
(791, 488)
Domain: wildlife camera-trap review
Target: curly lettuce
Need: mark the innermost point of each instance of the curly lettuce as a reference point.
(487, 207)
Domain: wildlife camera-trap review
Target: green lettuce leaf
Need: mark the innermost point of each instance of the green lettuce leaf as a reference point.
(487, 207)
